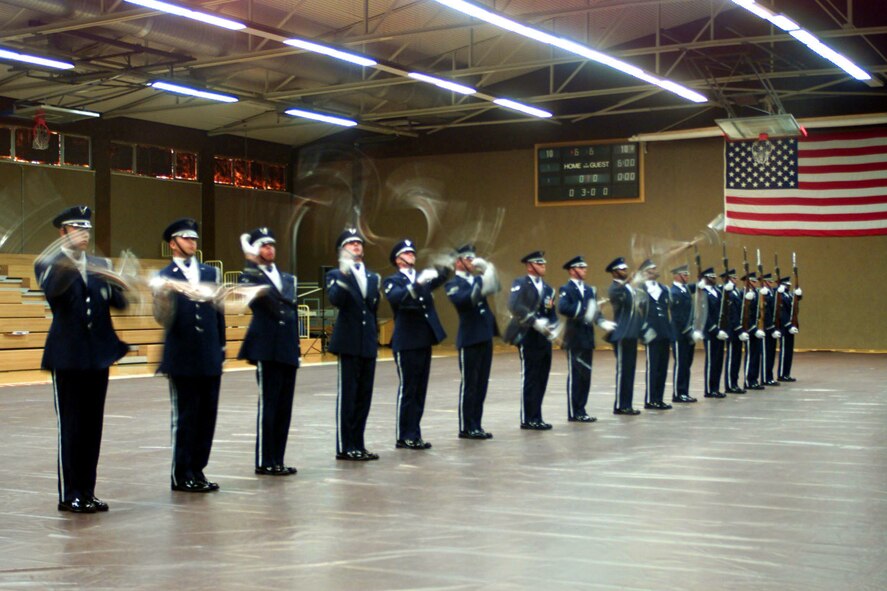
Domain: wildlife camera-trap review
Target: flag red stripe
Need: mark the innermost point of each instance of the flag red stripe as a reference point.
(811, 152)
(827, 233)
(831, 168)
(817, 201)
(808, 217)
(826, 185)
(853, 135)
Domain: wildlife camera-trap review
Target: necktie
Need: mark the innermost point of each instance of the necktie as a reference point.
(357, 266)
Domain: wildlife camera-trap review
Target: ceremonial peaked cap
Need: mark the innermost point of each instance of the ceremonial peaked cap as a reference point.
(682, 270)
(767, 276)
(617, 263)
(261, 236)
(728, 273)
(648, 264)
(466, 251)
(710, 272)
(78, 216)
(184, 228)
(750, 277)
(537, 257)
(400, 248)
(349, 235)
(576, 261)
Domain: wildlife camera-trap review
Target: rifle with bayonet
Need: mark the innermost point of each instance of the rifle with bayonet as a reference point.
(795, 302)
(762, 299)
(745, 321)
(777, 297)
(724, 318)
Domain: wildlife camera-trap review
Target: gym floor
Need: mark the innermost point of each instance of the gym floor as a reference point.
(784, 489)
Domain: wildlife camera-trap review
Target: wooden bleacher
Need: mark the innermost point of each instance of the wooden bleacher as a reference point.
(25, 318)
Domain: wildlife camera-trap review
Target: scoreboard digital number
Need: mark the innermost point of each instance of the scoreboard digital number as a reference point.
(587, 174)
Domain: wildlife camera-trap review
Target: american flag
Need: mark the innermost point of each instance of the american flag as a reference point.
(829, 184)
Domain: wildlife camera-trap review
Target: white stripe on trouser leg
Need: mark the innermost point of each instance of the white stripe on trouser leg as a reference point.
(674, 373)
(523, 385)
(745, 359)
(261, 458)
(708, 367)
(619, 374)
(570, 383)
(399, 396)
(781, 357)
(174, 423)
(462, 423)
(649, 391)
(728, 367)
(58, 420)
(339, 426)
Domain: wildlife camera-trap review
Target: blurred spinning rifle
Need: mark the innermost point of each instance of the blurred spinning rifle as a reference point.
(746, 303)
(777, 297)
(761, 297)
(724, 317)
(795, 302)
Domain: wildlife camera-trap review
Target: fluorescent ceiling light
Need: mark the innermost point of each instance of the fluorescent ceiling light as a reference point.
(510, 104)
(460, 88)
(570, 46)
(188, 13)
(320, 117)
(341, 55)
(178, 89)
(805, 37)
(34, 59)
(80, 112)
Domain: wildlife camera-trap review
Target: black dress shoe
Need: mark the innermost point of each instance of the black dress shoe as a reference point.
(771, 383)
(735, 391)
(473, 434)
(582, 419)
(487, 434)
(716, 395)
(370, 455)
(754, 387)
(787, 379)
(412, 444)
(355, 455)
(192, 486)
(626, 411)
(285, 470)
(78, 505)
(100, 505)
(536, 426)
(202, 480)
(683, 398)
(657, 406)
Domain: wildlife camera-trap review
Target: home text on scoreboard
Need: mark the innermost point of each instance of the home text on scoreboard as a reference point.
(588, 173)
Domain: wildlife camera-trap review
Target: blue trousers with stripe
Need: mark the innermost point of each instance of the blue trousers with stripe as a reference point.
(277, 384)
(475, 362)
(195, 403)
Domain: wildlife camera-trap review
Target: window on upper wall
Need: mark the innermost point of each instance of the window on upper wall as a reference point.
(76, 151)
(26, 152)
(17, 143)
(154, 161)
(5, 142)
(249, 174)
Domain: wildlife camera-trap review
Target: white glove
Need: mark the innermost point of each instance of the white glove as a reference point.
(698, 336)
(541, 324)
(608, 325)
(427, 275)
(750, 295)
(765, 291)
(760, 334)
(157, 283)
(728, 286)
(793, 330)
(780, 289)
(649, 335)
(777, 334)
(248, 248)
(346, 265)
(798, 292)
(722, 336)
(702, 283)
(479, 264)
(491, 283)
(743, 337)
(590, 312)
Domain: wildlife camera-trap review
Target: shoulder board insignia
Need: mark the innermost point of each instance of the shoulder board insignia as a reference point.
(453, 290)
(515, 288)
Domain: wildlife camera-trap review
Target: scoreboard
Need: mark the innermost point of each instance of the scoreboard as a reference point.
(588, 173)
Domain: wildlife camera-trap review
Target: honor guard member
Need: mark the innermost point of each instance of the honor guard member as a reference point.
(193, 352)
(754, 345)
(80, 346)
(532, 327)
(789, 329)
(734, 333)
(712, 335)
(768, 290)
(656, 334)
(272, 345)
(416, 329)
(474, 280)
(628, 316)
(684, 345)
(577, 302)
(354, 290)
